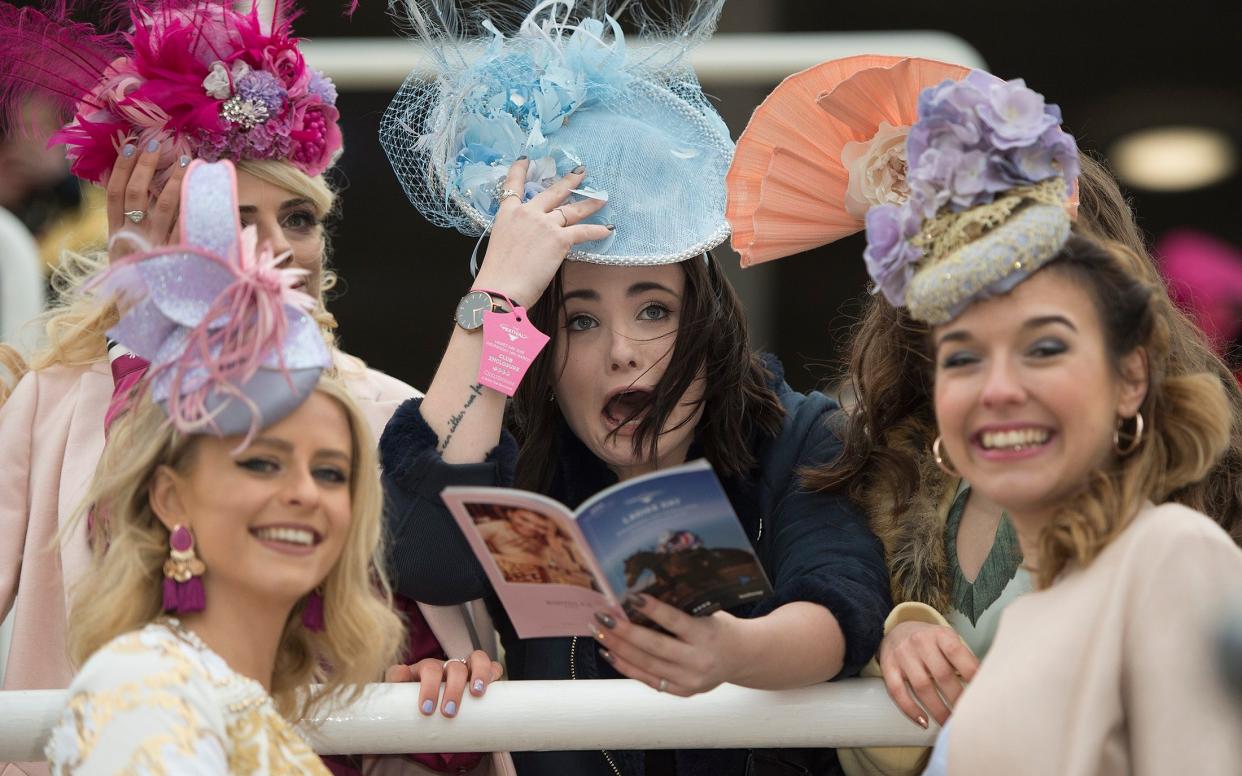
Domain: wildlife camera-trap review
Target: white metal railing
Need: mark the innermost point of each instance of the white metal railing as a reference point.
(563, 715)
(733, 58)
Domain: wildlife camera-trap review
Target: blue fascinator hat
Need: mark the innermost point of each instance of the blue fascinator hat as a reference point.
(557, 82)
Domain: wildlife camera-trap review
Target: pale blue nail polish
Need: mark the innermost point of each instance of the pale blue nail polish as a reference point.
(129, 150)
(450, 709)
(184, 161)
(478, 685)
(153, 146)
(429, 706)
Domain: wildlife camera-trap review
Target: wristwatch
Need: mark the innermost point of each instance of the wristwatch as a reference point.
(470, 309)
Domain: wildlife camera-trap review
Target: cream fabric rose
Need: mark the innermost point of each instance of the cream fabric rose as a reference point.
(877, 170)
(217, 83)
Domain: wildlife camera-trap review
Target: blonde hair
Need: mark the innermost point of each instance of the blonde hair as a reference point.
(1187, 417)
(75, 329)
(122, 591)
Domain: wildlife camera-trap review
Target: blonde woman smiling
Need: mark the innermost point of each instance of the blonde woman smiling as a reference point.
(240, 498)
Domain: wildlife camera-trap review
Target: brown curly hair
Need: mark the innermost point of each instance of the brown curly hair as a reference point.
(887, 466)
(1188, 424)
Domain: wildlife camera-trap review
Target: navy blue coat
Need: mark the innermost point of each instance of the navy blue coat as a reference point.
(814, 547)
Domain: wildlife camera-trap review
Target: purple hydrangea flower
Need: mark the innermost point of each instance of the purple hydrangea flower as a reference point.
(890, 256)
(979, 137)
(322, 87)
(1015, 115)
(261, 86)
(1064, 152)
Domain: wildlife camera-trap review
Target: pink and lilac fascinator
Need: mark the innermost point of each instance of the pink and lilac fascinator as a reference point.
(232, 345)
(199, 77)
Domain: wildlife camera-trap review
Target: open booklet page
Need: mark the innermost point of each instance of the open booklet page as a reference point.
(674, 536)
(534, 557)
(671, 534)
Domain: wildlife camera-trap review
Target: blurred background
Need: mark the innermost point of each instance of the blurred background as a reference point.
(1157, 90)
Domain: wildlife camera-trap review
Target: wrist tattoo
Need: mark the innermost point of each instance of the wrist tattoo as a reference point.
(454, 421)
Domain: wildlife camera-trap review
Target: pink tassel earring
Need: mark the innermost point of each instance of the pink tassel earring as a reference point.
(183, 584)
(312, 611)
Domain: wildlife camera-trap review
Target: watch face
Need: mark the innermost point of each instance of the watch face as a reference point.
(471, 308)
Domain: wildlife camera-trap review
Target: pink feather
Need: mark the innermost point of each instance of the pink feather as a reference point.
(48, 54)
(148, 83)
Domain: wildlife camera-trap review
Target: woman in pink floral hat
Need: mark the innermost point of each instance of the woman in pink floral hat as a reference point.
(188, 80)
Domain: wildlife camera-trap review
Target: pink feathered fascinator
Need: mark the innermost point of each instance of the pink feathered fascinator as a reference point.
(216, 82)
(232, 345)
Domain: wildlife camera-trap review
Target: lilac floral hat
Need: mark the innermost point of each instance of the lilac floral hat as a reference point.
(990, 177)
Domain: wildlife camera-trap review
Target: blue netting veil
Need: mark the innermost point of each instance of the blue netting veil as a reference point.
(556, 81)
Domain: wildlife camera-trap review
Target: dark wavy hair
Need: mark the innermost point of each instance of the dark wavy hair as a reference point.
(712, 343)
(887, 466)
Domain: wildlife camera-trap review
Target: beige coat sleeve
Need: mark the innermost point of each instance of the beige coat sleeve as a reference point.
(1178, 715)
(891, 760)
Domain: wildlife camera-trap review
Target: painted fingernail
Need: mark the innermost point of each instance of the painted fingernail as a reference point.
(606, 620)
(429, 706)
(184, 161)
(599, 634)
(605, 654)
(578, 170)
(637, 601)
(129, 150)
(478, 686)
(520, 158)
(450, 709)
(922, 721)
(153, 146)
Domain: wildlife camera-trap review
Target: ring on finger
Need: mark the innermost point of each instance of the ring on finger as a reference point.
(506, 193)
(564, 218)
(135, 215)
(663, 685)
(461, 660)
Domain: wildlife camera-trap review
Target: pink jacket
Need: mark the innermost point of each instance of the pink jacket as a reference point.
(51, 438)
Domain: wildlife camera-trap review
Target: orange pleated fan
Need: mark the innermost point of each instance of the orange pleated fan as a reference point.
(787, 183)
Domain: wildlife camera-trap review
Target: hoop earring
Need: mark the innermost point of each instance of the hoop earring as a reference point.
(945, 465)
(1135, 440)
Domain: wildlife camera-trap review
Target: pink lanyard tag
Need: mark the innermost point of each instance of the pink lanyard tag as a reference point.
(510, 343)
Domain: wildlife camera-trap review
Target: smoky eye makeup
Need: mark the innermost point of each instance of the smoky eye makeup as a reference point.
(258, 464)
(300, 220)
(580, 322)
(654, 311)
(1048, 346)
(332, 474)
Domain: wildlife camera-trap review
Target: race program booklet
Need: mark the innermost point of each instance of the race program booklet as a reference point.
(670, 534)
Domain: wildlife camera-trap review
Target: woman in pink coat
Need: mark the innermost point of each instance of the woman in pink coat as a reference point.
(276, 118)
